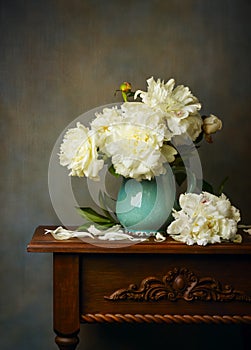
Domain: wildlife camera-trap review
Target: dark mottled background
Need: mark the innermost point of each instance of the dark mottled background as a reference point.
(60, 58)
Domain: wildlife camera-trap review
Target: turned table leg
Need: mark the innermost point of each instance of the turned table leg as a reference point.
(66, 300)
(67, 343)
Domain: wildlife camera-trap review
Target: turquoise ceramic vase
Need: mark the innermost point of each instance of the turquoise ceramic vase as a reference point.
(144, 207)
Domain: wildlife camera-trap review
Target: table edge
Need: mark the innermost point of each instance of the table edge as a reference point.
(41, 243)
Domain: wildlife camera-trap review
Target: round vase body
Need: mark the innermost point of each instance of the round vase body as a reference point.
(146, 206)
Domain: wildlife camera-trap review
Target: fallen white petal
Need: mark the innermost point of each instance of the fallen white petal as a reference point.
(117, 236)
(61, 234)
(248, 231)
(159, 237)
(96, 232)
(114, 233)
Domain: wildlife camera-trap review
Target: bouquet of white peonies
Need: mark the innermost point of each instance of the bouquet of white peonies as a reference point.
(136, 137)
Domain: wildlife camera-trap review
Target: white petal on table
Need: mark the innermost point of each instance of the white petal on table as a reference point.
(114, 233)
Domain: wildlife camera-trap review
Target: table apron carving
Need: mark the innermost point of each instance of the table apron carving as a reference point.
(118, 285)
(179, 283)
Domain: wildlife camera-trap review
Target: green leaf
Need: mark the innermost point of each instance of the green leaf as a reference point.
(221, 187)
(98, 226)
(103, 202)
(112, 171)
(84, 227)
(207, 187)
(91, 215)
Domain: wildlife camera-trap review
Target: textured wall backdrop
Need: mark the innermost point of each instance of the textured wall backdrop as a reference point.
(60, 58)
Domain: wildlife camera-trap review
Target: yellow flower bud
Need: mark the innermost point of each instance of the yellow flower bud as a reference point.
(125, 87)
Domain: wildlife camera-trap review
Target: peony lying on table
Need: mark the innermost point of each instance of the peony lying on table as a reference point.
(205, 218)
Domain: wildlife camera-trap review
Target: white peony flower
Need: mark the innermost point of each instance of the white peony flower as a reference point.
(204, 218)
(78, 152)
(136, 159)
(105, 124)
(157, 93)
(178, 106)
(190, 126)
(111, 121)
(135, 152)
(140, 115)
(133, 137)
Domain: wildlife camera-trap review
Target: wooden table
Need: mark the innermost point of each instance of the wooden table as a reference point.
(151, 282)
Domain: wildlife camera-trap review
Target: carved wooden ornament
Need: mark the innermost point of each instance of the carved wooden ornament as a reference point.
(179, 283)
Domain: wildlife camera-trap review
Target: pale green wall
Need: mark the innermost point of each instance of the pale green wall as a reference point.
(60, 58)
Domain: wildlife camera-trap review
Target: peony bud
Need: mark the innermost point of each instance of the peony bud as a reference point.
(125, 87)
(126, 90)
(211, 124)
